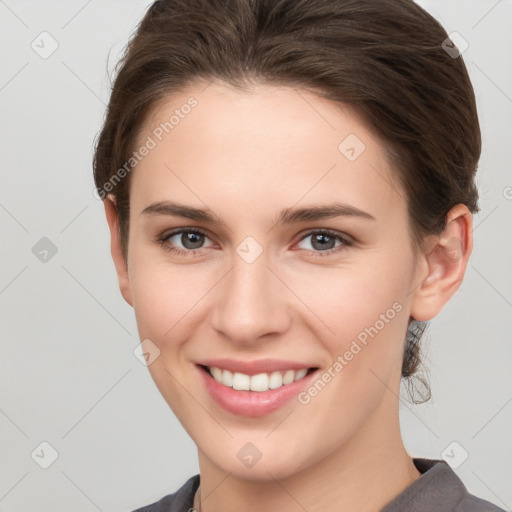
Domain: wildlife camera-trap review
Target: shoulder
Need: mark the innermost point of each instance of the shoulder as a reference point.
(161, 505)
(450, 487)
(471, 503)
(438, 489)
(179, 501)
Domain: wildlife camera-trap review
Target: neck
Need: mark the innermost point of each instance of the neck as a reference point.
(364, 474)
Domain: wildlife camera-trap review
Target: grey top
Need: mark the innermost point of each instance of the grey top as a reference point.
(438, 489)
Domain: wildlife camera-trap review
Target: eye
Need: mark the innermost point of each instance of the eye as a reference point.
(323, 242)
(191, 238)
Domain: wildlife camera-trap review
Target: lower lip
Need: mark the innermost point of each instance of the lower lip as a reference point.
(252, 403)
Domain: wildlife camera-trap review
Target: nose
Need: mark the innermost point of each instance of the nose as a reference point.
(251, 302)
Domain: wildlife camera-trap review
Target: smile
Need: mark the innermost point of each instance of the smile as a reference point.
(254, 395)
(260, 382)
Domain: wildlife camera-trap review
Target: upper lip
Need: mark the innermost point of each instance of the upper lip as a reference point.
(254, 367)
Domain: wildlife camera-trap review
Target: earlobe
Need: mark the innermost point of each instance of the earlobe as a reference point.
(444, 265)
(116, 250)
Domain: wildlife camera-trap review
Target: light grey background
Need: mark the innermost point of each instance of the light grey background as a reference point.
(68, 373)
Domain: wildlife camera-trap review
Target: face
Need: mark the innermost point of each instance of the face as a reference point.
(261, 281)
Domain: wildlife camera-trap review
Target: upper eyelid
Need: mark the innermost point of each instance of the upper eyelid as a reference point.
(186, 229)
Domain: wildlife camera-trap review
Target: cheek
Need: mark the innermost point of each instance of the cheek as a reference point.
(346, 300)
(360, 316)
(368, 316)
(165, 303)
(167, 298)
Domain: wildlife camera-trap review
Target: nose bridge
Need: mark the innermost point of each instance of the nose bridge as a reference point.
(250, 274)
(252, 300)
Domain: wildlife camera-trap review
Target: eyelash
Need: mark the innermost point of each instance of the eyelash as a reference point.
(346, 242)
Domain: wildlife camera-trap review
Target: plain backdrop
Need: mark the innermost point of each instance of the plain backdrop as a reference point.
(73, 394)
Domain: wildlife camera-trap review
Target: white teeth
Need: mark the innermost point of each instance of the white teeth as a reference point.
(217, 373)
(227, 378)
(241, 381)
(301, 373)
(259, 382)
(275, 381)
(288, 377)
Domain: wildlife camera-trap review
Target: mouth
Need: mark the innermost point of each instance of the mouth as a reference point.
(254, 395)
(260, 382)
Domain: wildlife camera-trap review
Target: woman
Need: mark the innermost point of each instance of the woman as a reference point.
(289, 187)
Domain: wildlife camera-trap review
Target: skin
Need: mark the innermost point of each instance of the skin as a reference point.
(246, 156)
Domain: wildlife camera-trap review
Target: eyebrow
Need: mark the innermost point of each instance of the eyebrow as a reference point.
(286, 216)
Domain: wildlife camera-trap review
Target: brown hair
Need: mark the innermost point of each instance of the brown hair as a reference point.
(386, 59)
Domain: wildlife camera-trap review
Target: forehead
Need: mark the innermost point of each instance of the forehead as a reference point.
(269, 145)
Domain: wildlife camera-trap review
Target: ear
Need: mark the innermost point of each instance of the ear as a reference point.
(116, 251)
(441, 270)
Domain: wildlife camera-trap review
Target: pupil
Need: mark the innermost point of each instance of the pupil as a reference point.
(317, 238)
(194, 238)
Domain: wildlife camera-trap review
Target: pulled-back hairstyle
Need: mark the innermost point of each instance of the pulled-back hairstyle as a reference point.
(386, 59)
